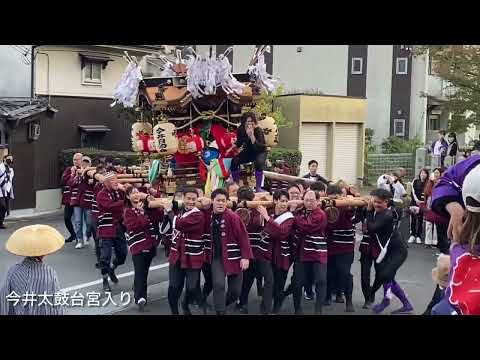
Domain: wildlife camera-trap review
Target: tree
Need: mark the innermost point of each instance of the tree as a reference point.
(264, 107)
(459, 66)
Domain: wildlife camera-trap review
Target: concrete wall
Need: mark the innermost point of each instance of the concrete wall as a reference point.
(322, 67)
(65, 73)
(379, 85)
(242, 55)
(435, 86)
(418, 99)
(15, 75)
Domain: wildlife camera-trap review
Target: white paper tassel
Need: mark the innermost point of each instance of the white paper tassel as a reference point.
(126, 90)
(263, 79)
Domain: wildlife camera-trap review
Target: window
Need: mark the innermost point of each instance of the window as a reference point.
(399, 127)
(402, 66)
(433, 122)
(92, 73)
(432, 64)
(357, 66)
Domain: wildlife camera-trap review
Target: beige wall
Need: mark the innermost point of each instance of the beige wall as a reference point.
(290, 105)
(65, 74)
(333, 109)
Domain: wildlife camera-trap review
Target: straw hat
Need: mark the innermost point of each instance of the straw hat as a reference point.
(35, 240)
(440, 273)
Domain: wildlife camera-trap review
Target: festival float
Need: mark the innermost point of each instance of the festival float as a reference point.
(188, 117)
(187, 120)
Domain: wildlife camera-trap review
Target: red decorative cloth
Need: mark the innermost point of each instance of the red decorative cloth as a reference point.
(465, 284)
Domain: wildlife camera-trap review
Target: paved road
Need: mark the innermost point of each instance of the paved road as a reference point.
(76, 270)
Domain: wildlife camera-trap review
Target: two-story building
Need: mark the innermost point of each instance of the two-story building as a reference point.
(68, 106)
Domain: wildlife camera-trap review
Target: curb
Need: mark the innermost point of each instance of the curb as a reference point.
(34, 215)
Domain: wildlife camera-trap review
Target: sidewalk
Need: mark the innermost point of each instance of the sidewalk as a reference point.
(31, 214)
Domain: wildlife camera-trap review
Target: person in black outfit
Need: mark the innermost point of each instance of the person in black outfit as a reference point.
(312, 174)
(382, 227)
(452, 147)
(418, 197)
(251, 142)
(6, 188)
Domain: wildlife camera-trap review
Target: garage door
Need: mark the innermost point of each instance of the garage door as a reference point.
(347, 151)
(313, 145)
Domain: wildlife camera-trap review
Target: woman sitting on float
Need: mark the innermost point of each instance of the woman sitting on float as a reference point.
(252, 147)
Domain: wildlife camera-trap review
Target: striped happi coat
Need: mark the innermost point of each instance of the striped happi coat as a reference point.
(142, 229)
(111, 212)
(259, 241)
(187, 241)
(234, 239)
(65, 187)
(31, 276)
(279, 229)
(341, 234)
(310, 242)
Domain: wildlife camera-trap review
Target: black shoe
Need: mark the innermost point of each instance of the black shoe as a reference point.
(70, 239)
(112, 276)
(106, 285)
(339, 299)
(281, 299)
(206, 307)
(308, 296)
(349, 307)
(367, 304)
(186, 309)
(242, 309)
(141, 304)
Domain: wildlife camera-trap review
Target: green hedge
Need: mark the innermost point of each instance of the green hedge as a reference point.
(127, 157)
(293, 158)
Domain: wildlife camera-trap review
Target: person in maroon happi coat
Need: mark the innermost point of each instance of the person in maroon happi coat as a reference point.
(310, 251)
(141, 224)
(227, 250)
(67, 176)
(110, 228)
(341, 244)
(186, 256)
(278, 227)
(261, 266)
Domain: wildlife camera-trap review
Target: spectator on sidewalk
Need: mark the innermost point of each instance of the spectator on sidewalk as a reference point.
(452, 148)
(418, 198)
(32, 275)
(6, 188)
(439, 150)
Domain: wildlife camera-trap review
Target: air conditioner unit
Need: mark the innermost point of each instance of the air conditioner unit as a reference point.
(34, 131)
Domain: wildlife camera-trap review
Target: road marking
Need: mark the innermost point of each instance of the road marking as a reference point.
(97, 282)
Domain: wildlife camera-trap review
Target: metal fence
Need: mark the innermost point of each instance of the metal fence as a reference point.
(379, 164)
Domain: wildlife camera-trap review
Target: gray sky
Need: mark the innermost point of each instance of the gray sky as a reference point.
(14, 73)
